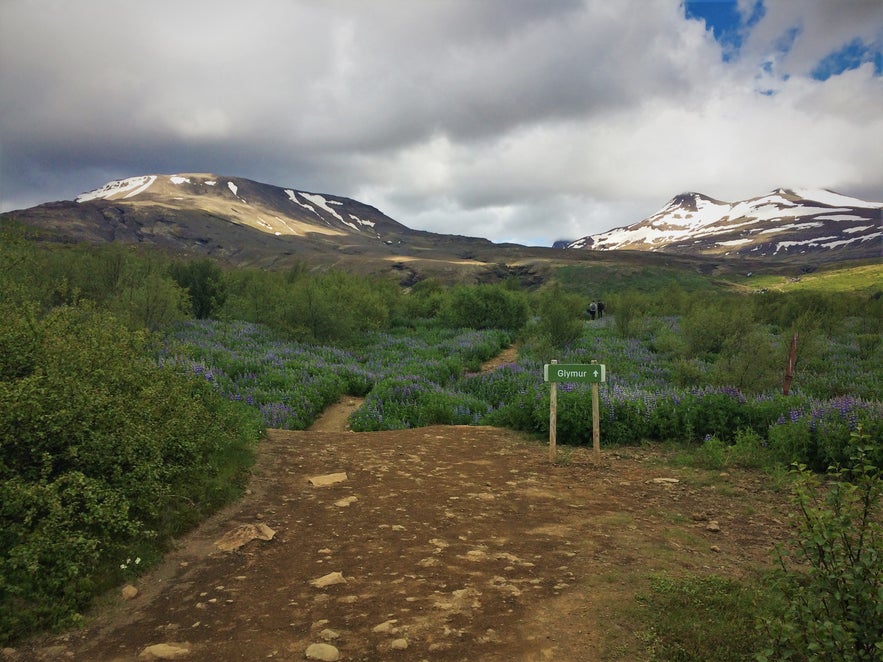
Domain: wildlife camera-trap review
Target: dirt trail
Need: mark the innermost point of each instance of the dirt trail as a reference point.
(439, 543)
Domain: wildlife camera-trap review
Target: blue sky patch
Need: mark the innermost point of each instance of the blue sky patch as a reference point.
(730, 29)
(851, 56)
(725, 21)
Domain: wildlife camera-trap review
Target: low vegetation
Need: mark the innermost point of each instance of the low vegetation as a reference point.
(134, 387)
(104, 457)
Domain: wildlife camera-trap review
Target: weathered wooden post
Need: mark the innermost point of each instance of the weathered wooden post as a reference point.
(596, 422)
(553, 417)
(554, 373)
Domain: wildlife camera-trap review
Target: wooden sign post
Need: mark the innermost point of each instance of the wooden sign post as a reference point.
(594, 373)
(553, 418)
(596, 422)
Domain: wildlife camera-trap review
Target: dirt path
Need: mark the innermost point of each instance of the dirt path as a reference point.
(440, 543)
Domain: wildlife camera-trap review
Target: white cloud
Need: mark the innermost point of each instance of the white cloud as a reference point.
(822, 27)
(517, 120)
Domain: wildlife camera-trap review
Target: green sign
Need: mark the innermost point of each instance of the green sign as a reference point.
(563, 372)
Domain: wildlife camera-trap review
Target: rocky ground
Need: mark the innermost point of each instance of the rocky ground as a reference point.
(439, 543)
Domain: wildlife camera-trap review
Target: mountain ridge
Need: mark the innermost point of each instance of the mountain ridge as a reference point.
(248, 223)
(782, 222)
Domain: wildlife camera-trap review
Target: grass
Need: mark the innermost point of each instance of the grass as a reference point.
(836, 278)
(685, 536)
(618, 278)
(700, 618)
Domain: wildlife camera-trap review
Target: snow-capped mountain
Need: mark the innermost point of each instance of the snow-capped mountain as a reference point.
(244, 222)
(783, 222)
(271, 209)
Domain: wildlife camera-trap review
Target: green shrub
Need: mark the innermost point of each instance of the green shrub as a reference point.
(750, 361)
(412, 401)
(820, 435)
(710, 454)
(697, 415)
(18, 341)
(830, 575)
(709, 326)
(623, 422)
(204, 283)
(749, 450)
(103, 456)
(630, 312)
(485, 307)
(561, 316)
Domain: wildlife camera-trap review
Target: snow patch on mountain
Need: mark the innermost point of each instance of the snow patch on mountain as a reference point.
(800, 219)
(293, 197)
(120, 188)
(322, 203)
(833, 199)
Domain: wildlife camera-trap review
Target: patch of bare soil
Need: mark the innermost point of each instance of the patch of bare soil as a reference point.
(439, 543)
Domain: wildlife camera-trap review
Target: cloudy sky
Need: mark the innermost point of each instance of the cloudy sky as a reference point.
(515, 120)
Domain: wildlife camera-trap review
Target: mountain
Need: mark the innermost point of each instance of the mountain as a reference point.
(819, 224)
(248, 223)
(235, 219)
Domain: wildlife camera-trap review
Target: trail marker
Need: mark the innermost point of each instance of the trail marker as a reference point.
(564, 372)
(593, 373)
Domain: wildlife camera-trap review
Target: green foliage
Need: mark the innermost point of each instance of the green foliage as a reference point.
(333, 307)
(699, 619)
(203, 281)
(151, 302)
(413, 401)
(709, 328)
(18, 340)
(711, 454)
(824, 435)
(809, 309)
(135, 286)
(103, 456)
(666, 288)
(751, 361)
(424, 301)
(830, 575)
(561, 316)
(485, 307)
(631, 311)
(695, 416)
(749, 450)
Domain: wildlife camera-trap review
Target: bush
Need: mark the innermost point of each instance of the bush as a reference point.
(821, 434)
(103, 456)
(830, 575)
(485, 307)
(413, 401)
(561, 317)
(718, 413)
(204, 282)
(708, 327)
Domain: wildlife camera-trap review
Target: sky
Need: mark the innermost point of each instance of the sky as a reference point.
(524, 121)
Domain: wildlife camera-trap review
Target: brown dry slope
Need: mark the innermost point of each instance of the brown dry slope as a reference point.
(440, 543)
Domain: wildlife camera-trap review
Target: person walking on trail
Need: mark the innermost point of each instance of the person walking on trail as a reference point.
(593, 309)
(600, 309)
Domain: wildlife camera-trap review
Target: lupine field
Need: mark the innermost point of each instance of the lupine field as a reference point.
(428, 376)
